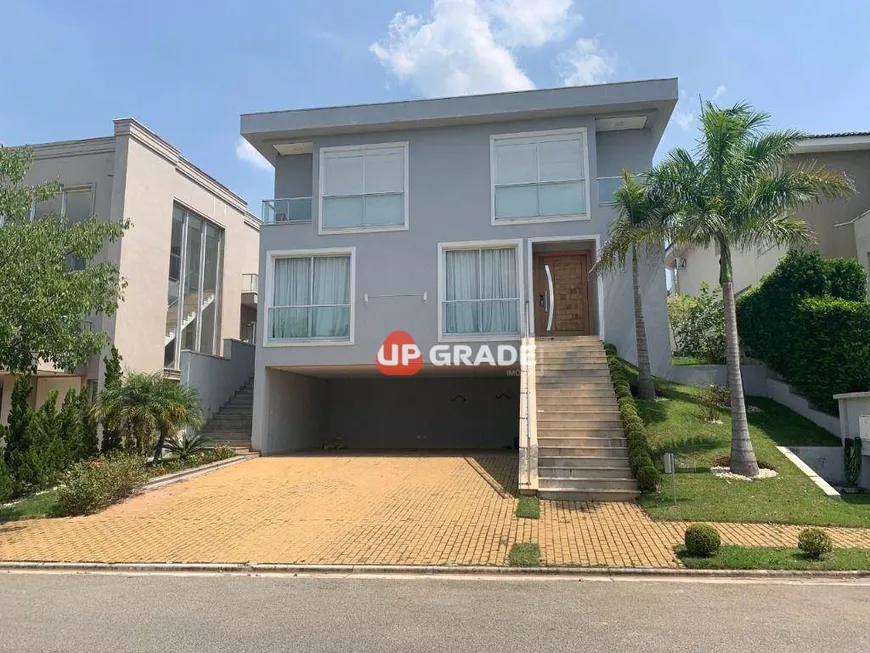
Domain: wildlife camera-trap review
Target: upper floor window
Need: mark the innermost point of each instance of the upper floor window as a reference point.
(539, 176)
(479, 289)
(364, 188)
(75, 203)
(311, 297)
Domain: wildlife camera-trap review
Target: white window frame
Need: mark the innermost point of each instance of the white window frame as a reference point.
(445, 247)
(567, 133)
(325, 152)
(78, 188)
(271, 257)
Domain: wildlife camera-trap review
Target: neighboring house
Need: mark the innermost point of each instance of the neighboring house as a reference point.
(447, 219)
(842, 227)
(189, 259)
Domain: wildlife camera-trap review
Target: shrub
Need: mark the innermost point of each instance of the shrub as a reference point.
(188, 445)
(647, 478)
(821, 305)
(697, 325)
(639, 458)
(6, 486)
(93, 485)
(714, 398)
(815, 542)
(702, 540)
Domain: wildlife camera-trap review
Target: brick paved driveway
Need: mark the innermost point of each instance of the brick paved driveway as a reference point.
(363, 509)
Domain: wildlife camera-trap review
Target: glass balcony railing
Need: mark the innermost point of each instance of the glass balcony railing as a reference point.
(291, 210)
(250, 282)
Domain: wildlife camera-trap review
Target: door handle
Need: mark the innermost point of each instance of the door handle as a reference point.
(551, 308)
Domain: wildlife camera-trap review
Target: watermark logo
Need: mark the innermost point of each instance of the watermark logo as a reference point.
(399, 355)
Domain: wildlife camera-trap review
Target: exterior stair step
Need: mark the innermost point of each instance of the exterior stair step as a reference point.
(614, 442)
(587, 462)
(586, 472)
(553, 494)
(588, 483)
(580, 451)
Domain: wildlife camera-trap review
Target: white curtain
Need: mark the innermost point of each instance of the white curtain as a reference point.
(461, 276)
(482, 293)
(331, 297)
(291, 289)
(498, 281)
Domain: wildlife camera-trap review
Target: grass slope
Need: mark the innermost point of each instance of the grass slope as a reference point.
(676, 425)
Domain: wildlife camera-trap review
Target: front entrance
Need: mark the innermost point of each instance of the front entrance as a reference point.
(562, 297)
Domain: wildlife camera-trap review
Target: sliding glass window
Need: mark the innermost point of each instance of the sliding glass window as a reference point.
(193, 301)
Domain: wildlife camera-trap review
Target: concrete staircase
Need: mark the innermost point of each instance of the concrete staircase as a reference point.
(232, 424)
(582, 452)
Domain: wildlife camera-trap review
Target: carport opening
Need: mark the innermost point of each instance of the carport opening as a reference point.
(379, 413)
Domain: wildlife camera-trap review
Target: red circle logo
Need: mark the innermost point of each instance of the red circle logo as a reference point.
(399, 355)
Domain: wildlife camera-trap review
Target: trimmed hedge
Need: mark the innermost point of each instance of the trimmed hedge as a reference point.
(815, 542)
(809, 320)
(639, 452)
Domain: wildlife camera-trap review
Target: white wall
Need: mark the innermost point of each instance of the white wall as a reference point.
(218, 378)
(297, 412)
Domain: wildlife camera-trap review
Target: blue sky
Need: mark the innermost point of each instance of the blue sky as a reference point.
(187, 70)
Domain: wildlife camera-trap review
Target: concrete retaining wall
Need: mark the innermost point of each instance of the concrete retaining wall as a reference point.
(218, 378)
(827, 462)
(852, 406)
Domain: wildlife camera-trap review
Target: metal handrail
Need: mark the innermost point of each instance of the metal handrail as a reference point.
(524, 369)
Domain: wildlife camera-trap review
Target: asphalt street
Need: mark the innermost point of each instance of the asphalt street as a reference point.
(179, 613)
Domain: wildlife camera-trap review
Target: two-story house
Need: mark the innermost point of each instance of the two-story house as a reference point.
(841, 227)
(189, 259)
(463, 221)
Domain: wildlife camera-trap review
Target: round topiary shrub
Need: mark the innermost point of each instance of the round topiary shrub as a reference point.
(647, 478)
(633, 422)
(815, 542)
(702, 540)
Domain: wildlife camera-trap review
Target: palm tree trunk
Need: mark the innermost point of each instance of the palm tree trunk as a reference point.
(158, 449)
(645, 386)
(743, 460)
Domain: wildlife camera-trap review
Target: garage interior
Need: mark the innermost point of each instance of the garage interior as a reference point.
(363, 410)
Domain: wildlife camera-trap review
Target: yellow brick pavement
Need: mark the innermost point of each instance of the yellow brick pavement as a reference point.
(366, 509)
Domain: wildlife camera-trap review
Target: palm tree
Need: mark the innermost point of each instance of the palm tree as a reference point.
(739, 191)
(145, 404)
(641, 223)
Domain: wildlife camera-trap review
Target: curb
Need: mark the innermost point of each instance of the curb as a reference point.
(185, 474)
(428, 570)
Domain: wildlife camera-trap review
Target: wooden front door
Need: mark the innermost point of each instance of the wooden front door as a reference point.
(562, 299)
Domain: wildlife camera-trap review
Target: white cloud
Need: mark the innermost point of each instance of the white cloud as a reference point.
(247, 153)
(684, 119)
(468, 46)
(585, 63)
(532, 23)
(720, 91)
(455, 52)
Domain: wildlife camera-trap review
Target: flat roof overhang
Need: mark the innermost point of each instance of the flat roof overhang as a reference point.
(653, 98)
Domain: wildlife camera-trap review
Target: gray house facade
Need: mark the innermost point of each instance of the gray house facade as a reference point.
(460, 221)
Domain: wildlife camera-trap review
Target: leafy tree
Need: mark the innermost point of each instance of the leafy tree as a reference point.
(696, 323)
(739, 190)
(111, 378)
(145, 406)
(43, 303)
(642, 216)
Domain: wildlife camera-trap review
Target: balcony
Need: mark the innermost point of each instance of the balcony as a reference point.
(289, 210)
(250, 288)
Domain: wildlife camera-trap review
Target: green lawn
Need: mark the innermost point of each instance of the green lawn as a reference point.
(675, 425)
(525, 554)
(687, 360)
(34, 507)
(760, 557)
(529, 508)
